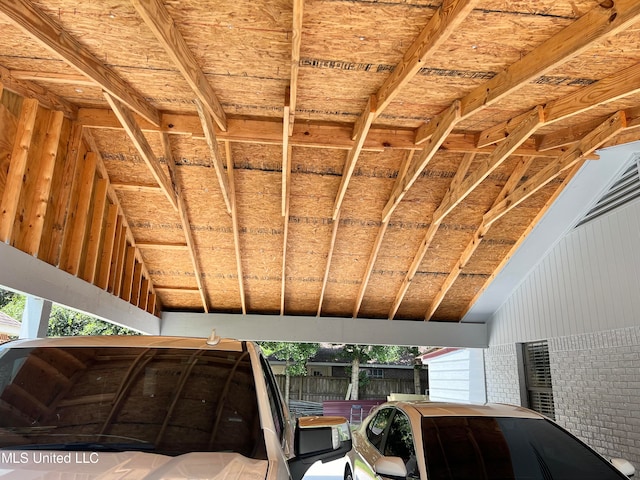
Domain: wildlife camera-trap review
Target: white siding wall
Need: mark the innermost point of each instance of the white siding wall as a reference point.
(457, 377)
(589, 282)
(584, 298)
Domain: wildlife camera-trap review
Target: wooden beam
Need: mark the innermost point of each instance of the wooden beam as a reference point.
(184, 218)
(157, 18)
(518, 172)
(136, 285)
(296, 42)
(621, 84)
(605, 20)
(307, 134)
(95, 230)
(127, 277)
(589, 143)
(236, 228)
(284, 258)
(404, 183)
(332, 244)
(123, 187)
(72, 149)
(142, 146)
(360, 130)
(28, 89)
(524, 235)
(54, 78)
(145, 292)
(116, 258)
(505, 149)
(39, 201)
(169, 289)
(17, 168)
(162, 246)
(286, 153)
(378, 243)
(75, 229)
(428, 238)
(439, 28)
(218, 165)
(109, 239)
(37, 25)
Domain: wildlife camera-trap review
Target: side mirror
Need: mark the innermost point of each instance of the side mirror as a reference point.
(390, 467)
(624, 466)
(318, 438)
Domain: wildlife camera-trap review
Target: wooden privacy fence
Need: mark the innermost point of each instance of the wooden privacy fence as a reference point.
(319, 389)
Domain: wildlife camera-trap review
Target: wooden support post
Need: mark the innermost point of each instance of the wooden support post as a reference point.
(17, 168)
(110, 231)
(76, 225)
(95, 230)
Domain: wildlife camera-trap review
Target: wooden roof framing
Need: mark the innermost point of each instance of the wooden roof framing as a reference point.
(285, 195)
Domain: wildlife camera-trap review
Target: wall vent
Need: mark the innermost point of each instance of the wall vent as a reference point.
(624, 190)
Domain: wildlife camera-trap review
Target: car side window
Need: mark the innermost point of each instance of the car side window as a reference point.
(377, 427)
(399, 443)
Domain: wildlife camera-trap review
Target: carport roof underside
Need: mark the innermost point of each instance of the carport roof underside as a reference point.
(388, 157)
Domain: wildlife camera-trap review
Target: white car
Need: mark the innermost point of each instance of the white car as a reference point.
(144, 407)
(445, 441)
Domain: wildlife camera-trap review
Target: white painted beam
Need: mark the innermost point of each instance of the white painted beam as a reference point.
(35, 318)
(325, 329)
(26, 274)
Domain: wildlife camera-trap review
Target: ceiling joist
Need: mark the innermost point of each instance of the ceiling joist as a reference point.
(144, 149)
(603, 21)
(35, 23)
(588, 144)
(157, 18)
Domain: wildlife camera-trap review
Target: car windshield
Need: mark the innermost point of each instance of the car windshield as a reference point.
(163, 400)
(473, 448)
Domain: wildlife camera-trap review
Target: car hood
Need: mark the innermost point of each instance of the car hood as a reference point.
(58, 465)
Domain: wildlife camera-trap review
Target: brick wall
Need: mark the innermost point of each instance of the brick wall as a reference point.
(596, 387)
(501, 374)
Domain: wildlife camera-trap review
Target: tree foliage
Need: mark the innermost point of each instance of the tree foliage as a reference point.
(294, 354)
(359, 354)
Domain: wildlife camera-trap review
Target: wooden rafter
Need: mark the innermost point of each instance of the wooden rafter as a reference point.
(184, 219)
(428, 238)
(286, 153)
(605, 20)
(95, 230)
(589, 143)
(378, 243)
(325, 279)
(404, 183)
(525, 233)
(296, 42)
(236, 229)
(35, 23)
(360, 130)
(438, 29)
(144, 149)
(284, 244)
(29, 89)
(621, 84)
(218, 164)
(515, 177)
(157, 18)
(520, 133)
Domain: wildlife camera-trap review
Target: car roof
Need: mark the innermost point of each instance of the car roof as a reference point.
(129, 341)
(446, 409)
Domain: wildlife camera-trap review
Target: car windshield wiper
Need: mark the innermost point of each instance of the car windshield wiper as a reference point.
(85, 447)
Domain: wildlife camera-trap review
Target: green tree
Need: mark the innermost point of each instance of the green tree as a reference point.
(358, 354)
(295, 356)
(12, 304)
(64, 322)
